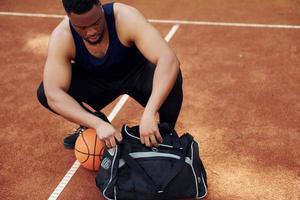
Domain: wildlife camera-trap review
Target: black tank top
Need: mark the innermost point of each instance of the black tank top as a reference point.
(118, 60)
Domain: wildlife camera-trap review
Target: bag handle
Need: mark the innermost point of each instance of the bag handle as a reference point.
(168, 134)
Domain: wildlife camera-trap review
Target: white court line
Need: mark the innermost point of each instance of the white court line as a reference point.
(185, 22)
(60, 187)
(117, 107)
(207, 23)
(171, 32)
(42, 15)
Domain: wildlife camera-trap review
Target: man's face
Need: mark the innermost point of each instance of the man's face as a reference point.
(90, 25)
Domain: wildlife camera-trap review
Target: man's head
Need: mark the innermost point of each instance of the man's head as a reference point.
(87, 18)
(79, 6)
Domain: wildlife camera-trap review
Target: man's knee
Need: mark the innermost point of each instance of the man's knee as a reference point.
(170, 109)
(176, 91)
(40, 93)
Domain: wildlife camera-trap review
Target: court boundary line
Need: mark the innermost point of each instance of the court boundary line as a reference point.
(65, 180)
(161, 21)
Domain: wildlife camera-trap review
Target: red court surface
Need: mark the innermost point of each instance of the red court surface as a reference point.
(241, 98)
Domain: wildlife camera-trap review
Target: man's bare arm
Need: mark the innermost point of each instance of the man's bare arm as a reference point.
(149, 41)
(57, 80)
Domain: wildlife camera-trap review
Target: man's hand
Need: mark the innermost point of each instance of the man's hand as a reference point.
(108, 134)
(149, 132)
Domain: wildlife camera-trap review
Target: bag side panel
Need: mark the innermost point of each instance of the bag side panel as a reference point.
(107, 174)
(199, 170)
(183, 185)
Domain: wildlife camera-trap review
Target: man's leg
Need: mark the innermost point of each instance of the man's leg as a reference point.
(141, 91)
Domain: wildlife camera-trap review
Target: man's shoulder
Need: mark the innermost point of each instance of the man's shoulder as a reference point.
(129, 23)
(126, 15)
(62, 30)
(124, 9)
(61, 39)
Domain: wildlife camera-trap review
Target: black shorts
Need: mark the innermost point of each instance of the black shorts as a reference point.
(98, 91)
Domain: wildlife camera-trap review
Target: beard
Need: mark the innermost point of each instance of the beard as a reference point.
(100, 38)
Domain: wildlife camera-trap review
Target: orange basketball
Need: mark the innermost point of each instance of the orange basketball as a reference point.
(89, 149)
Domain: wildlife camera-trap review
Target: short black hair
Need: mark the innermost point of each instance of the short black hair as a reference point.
(79, 6)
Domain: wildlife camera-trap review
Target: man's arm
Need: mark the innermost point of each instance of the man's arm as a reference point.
(135, 28)
(57, 79)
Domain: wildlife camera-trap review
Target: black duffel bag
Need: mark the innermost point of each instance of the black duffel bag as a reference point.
(171, 171)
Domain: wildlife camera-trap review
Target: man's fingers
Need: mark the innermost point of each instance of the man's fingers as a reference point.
(107, 143)
(112, 141)
(158, 136)
(153, 140)
(142, 139)
(147, 141)
(119, 137)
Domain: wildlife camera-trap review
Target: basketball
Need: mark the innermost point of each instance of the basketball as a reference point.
(89, 149)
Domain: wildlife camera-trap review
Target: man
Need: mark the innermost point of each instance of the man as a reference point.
(100, 52)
